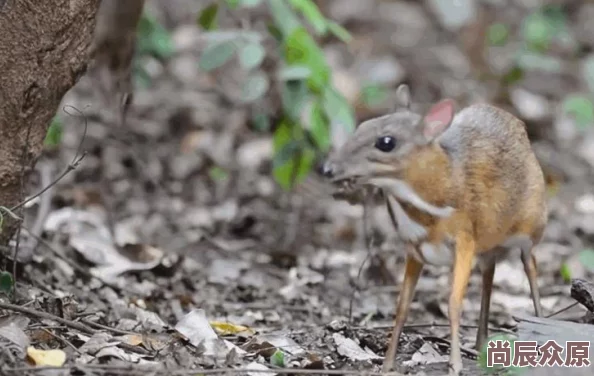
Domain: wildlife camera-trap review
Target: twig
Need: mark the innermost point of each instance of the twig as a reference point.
(72, 324)
(183, 372)
(78, 157)
(45, 204)
(44, 315)
(63, 340)
(467, 350)
(105, 327)
(561, 310)
(434, 325)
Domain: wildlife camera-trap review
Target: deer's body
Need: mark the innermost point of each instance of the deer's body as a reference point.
(459, 188)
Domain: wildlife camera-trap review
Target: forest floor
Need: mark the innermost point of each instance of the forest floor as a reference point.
(170, 245)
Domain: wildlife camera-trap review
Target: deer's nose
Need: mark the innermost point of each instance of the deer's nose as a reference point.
(327, 169)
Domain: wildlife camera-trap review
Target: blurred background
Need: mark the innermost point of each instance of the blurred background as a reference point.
(209, 170)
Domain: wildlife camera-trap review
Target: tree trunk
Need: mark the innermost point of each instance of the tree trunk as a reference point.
(44, 49)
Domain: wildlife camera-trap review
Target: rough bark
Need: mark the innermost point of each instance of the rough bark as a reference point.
(43, 52)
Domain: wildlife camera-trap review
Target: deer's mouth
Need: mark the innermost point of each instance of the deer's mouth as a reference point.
(348, 188)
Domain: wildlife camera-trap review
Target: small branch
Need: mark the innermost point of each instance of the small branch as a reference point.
(48, 316)
(115, 369)
(45, 205)
(78, 157)
(72, 324)
(561, 310)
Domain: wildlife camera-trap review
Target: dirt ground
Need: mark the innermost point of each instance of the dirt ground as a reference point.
(185, 190)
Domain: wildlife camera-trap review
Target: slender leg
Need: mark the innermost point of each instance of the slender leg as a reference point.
(529, 262)
(487, 266)
(411, 276)
(465, 250)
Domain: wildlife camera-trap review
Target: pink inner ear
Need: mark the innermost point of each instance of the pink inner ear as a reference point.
(439, 117)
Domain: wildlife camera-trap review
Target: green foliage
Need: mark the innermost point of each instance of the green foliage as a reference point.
(251, 55)
(278, 359)
(6, 282)
(215, 55)
(311, 106)
(542, 27)
(218, 174)
(580, 107)
(53, 136)
(208, 17)
(373, 95)
(153, 38)
(497, 34)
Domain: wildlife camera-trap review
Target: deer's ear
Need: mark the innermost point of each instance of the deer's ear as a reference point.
(403, 96)
(438, 118)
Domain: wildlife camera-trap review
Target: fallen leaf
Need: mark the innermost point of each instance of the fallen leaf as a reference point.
(14, 334)
(196, 328)
(426, 355)
(224, 328)
(54, 358)
(350, 349)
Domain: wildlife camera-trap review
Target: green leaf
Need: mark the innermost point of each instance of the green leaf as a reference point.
(254, 87)
(565, 272)
(294, 95)
(251, 55)
(250, 3)
(217, 173)
(276, 32)
(292, 160)
(514, 75)
(278, 359)
(301, 49)
(233, 4)
(373, 95)
(581, 108)
(6, 282)
(294, 72)
(208, 17)
(261, 121)
(153, 38)
(214, 56)
(338, 109)
(339, 32)
(497, 34)
(320, 129)
(284, 17)
(586, 258)
(540, 28)
(312, 13)
(53, 136)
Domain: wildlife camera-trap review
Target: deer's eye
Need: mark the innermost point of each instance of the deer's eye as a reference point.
(385, 143)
